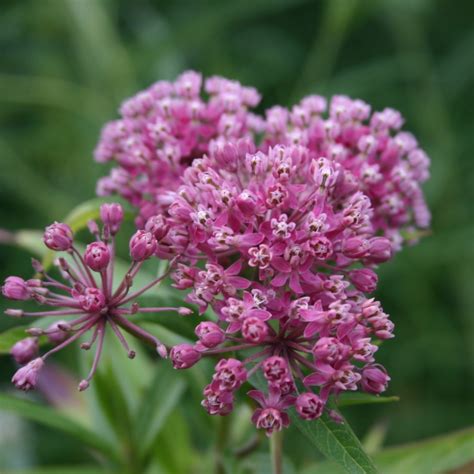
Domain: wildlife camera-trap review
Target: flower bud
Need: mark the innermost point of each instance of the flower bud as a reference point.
(83, 385)
(247, 203)
(15, 288)
(184, 356)
(275, 369)
(91, 300)
(309, 406)
(142, 245)
(58, 332)
(320, 247)
(97, 256)
(112, 216)
(364, 279)
(374, 379)
(216, 401)
(210, 334)
(25, 350)
(26, 378)
(15, 313)
(355, 247)
(254, 329)
(380, 249)
(158, 226)
(58, 236)
(230, 374)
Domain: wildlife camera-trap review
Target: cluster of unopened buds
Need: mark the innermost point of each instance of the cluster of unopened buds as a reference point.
(273, 225)
(87, 292)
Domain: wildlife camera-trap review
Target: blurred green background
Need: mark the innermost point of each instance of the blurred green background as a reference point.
(65, 66)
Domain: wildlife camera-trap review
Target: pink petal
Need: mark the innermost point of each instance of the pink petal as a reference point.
(260, 314)
(257, 395)
(281, 264)
(239, 282)
(295, 283)
(280, 280)
(234, 269)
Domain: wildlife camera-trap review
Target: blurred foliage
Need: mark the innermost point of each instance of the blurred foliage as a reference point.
(67, 64)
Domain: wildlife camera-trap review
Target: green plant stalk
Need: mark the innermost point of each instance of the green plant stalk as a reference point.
(276, 452)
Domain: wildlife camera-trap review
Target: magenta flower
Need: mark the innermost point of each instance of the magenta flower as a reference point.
(309, 406)
(93, 303)
(271, 416)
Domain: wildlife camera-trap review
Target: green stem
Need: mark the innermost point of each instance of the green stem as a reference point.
(276, 451)
(221, 443)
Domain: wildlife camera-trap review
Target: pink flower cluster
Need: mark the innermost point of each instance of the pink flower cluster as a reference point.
(86, 293)
(383, 162)
(287, 246)
(277, 223)
(164, 128)
(161, 131)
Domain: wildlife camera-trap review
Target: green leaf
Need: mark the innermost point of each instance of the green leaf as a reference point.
(436, 455)
(31, 241)
(159, 400)
(53, 419)
(433, 456)
(336, 441)
(348, 399)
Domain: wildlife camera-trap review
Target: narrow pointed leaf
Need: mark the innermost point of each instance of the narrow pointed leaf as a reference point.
(162, 396)
(348, 399)
(53, 419)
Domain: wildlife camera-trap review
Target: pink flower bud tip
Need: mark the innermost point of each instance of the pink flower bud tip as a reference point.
(162, 351)
(97, 256)
(364, 279)
(16, 313)
(210, 334)
(185, 311)
(309, 406)
(58, 332)
(157, 226)
(184, 356)
(142, 245)
(35, 332)
(25, 350)
(58, 236)
(91, 300)
(83, 385)
(112, 216)
(37, 265)
(15, 288)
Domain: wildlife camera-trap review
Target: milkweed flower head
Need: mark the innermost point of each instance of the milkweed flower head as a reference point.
(282, 247)
(163, 128)
(379, 159)
(277, 223)
(84, 299)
